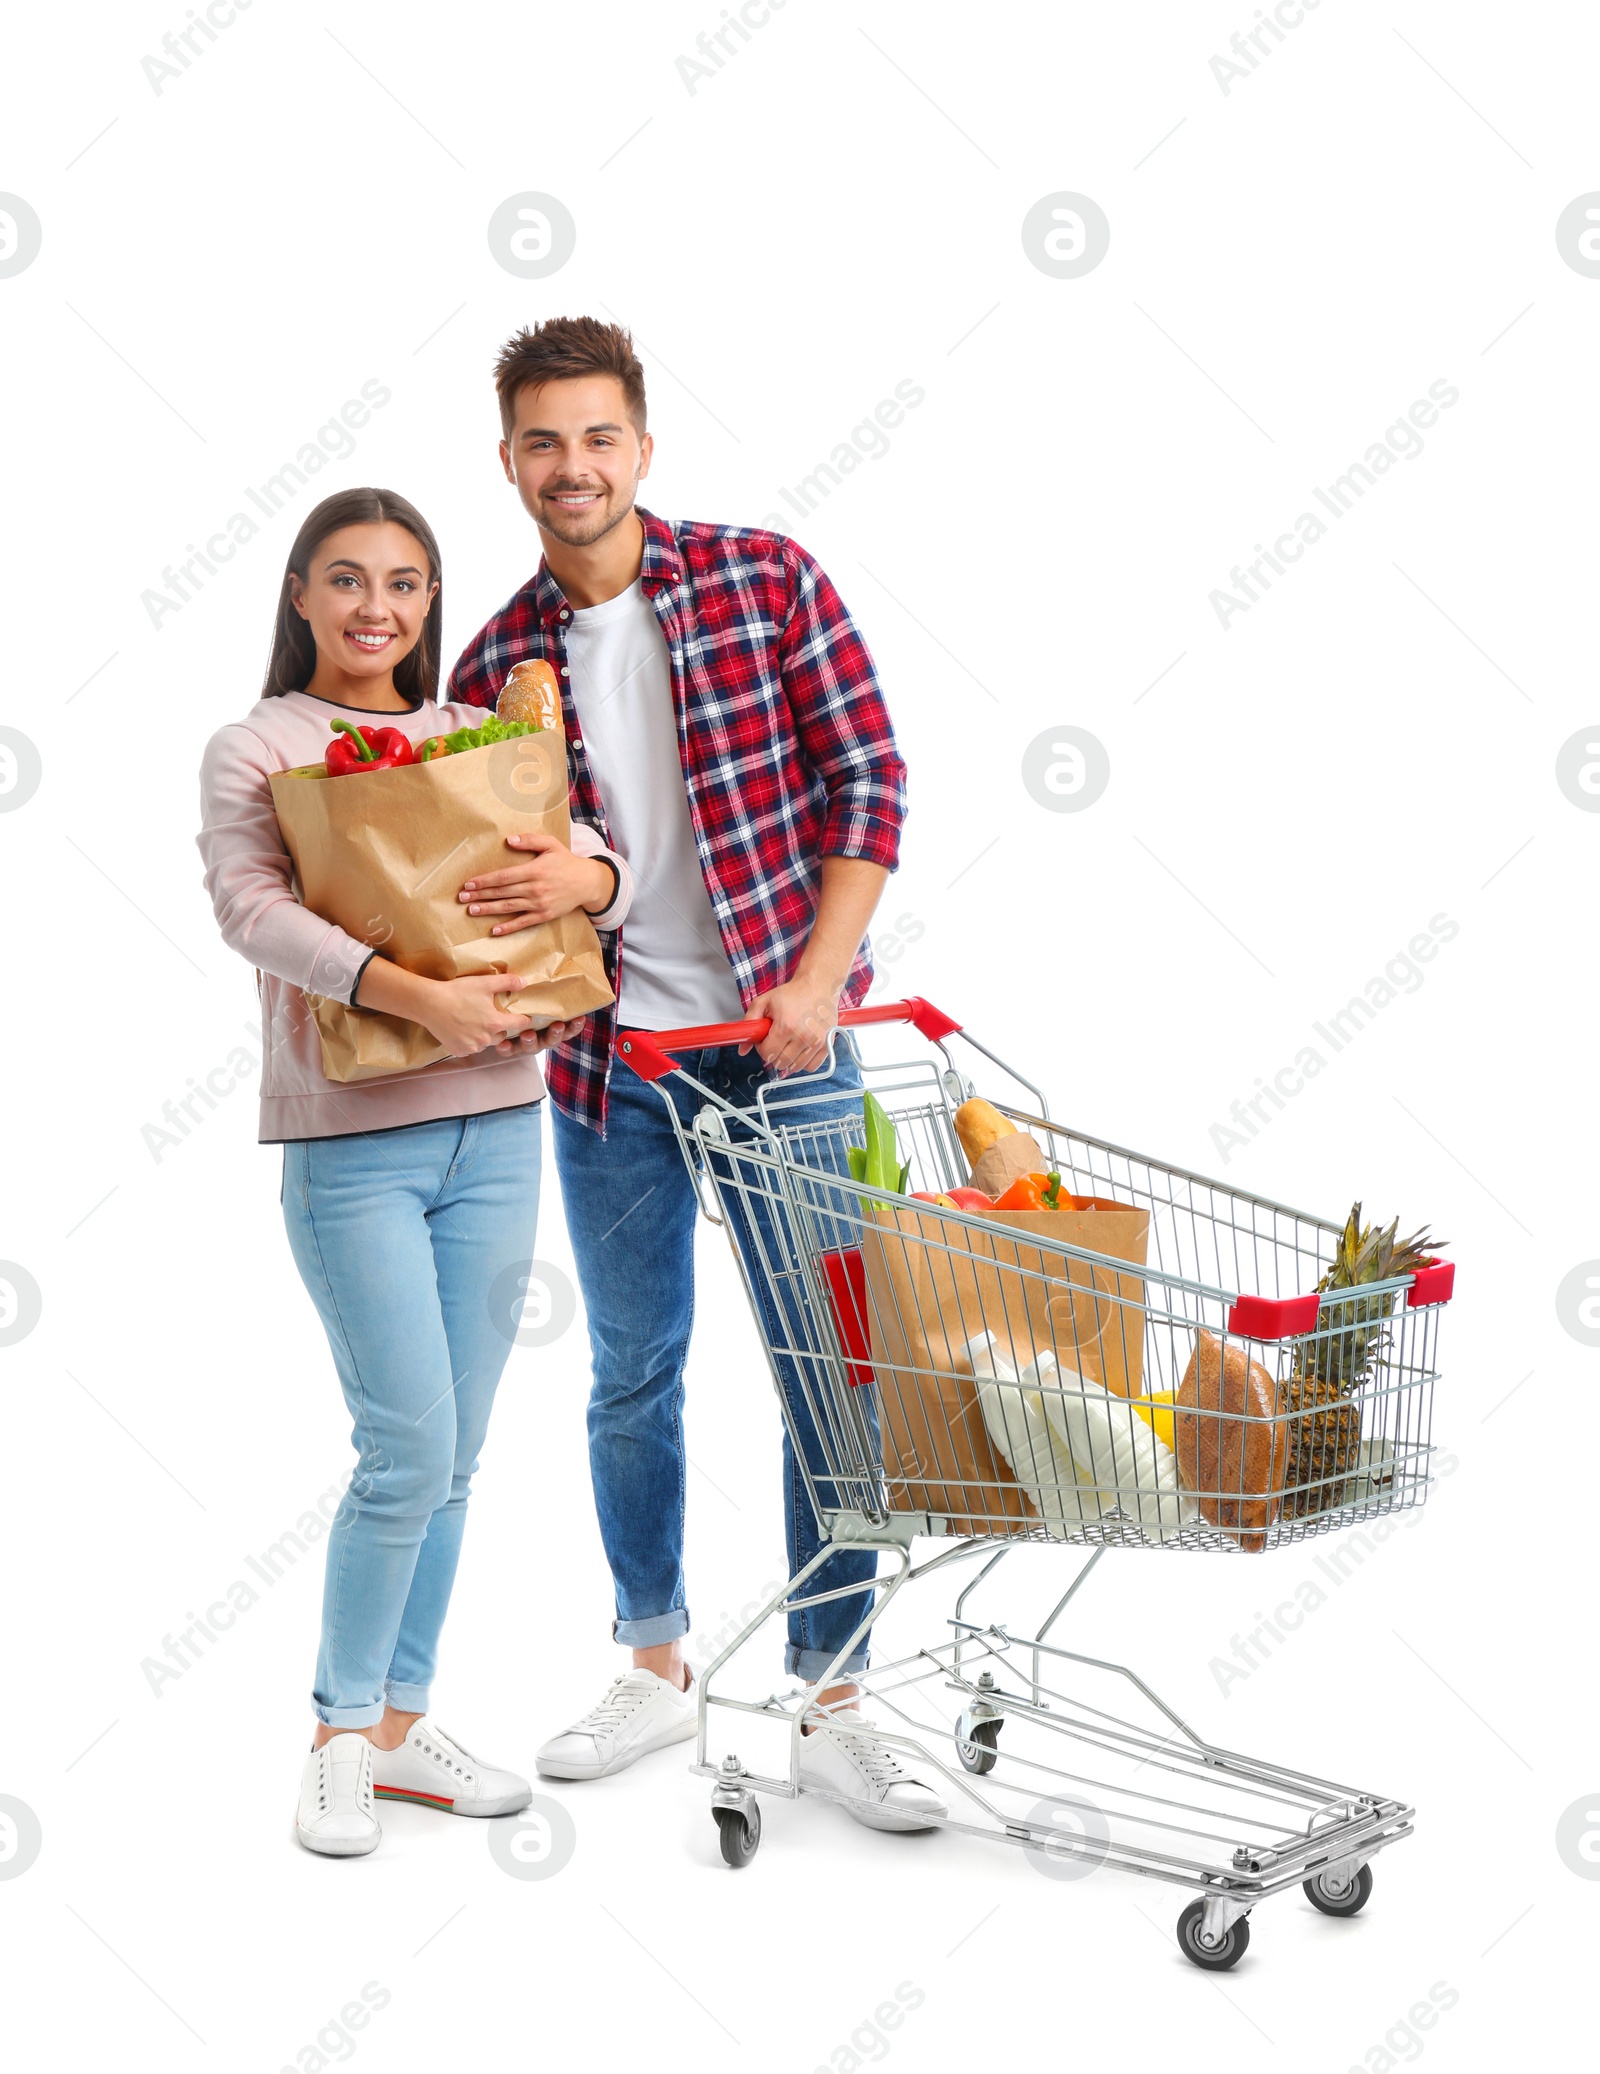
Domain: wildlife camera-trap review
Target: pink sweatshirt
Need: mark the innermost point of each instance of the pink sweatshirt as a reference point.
(249, 877)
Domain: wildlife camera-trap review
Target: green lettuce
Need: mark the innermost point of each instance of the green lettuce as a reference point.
(493, 729)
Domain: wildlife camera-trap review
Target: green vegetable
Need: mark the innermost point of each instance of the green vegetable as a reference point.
(878, 1162)
(493, 729)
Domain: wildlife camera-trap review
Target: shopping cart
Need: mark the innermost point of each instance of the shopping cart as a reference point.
(954, 1375)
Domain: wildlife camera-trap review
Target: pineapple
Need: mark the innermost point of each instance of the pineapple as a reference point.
(1320, 1394)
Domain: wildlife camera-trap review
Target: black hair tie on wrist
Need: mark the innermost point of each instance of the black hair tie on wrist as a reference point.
(616, 885)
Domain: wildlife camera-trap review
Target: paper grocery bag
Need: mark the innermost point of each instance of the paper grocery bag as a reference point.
(1006, 1160)
(927, 1295)
(934, 1285)
(383, 854)
(1092, 1317)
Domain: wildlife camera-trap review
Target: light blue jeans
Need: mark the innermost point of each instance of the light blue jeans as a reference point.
(414, 1244)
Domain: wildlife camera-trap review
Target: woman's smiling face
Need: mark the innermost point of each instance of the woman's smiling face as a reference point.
(365, 598)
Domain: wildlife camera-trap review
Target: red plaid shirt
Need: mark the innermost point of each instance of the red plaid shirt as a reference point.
(788, 756)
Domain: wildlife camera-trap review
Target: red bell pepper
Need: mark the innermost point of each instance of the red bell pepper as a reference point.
(365, 749)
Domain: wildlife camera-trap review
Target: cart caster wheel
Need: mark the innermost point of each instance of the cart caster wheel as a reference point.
(979, 1755)
(739, 1833)
(1215, 1958)
(1340, 1901)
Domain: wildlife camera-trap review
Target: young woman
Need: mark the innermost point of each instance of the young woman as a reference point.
(406, 1198)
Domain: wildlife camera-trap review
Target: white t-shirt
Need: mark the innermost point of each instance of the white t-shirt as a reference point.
(674, 968)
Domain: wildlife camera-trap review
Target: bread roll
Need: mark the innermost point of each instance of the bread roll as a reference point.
(531, 693)
(1233, 1448)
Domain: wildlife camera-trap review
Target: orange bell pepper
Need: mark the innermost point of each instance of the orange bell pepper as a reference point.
(1032, 1192)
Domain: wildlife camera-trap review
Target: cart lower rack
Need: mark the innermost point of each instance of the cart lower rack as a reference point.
(1165, 1376)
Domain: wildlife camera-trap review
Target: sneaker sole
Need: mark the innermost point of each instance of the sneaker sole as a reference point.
(509, 1804)
(871, 1817)
(570, 1768)
(337, 1847)
(871, 1814)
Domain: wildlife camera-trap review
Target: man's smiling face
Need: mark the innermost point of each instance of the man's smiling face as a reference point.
(576, 457)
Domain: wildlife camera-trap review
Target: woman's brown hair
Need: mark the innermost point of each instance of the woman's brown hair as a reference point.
(293, 660)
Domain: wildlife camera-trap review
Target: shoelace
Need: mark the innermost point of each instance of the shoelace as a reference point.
(874, 1760)
(626, 1694)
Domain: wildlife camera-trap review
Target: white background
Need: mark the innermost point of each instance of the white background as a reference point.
(1292, 798)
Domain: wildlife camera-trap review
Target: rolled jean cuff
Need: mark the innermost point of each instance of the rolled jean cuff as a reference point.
(409, 1699)
(349, 1717)
(811, 1664)
(652, 1633)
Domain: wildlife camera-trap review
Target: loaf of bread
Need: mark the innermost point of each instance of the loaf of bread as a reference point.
(531, 693)
(1233, 1448)
(978, 1125)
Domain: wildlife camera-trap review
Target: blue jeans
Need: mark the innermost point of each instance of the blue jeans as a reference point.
(414, 1244)
(637, 1274)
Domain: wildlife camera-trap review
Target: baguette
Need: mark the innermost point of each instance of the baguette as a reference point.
(979, 1125)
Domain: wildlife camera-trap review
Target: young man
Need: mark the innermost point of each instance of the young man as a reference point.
(726, 733)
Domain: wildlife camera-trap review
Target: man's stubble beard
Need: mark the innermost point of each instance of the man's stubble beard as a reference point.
(588, 539)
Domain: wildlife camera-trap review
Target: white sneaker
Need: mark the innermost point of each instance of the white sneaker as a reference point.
(874, 1786)
(433, 1769)
(639, 1713)
(336, 1815)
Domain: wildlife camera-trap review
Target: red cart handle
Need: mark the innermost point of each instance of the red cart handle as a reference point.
(1291, 1317)
(646, 1050)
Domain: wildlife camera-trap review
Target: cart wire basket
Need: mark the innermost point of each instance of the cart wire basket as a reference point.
(1165, 1375)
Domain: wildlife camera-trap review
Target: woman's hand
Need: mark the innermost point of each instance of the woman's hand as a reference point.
(461, 1013)
(551, 883)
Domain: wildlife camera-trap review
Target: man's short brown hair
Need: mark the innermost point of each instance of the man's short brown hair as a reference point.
(564, 349)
